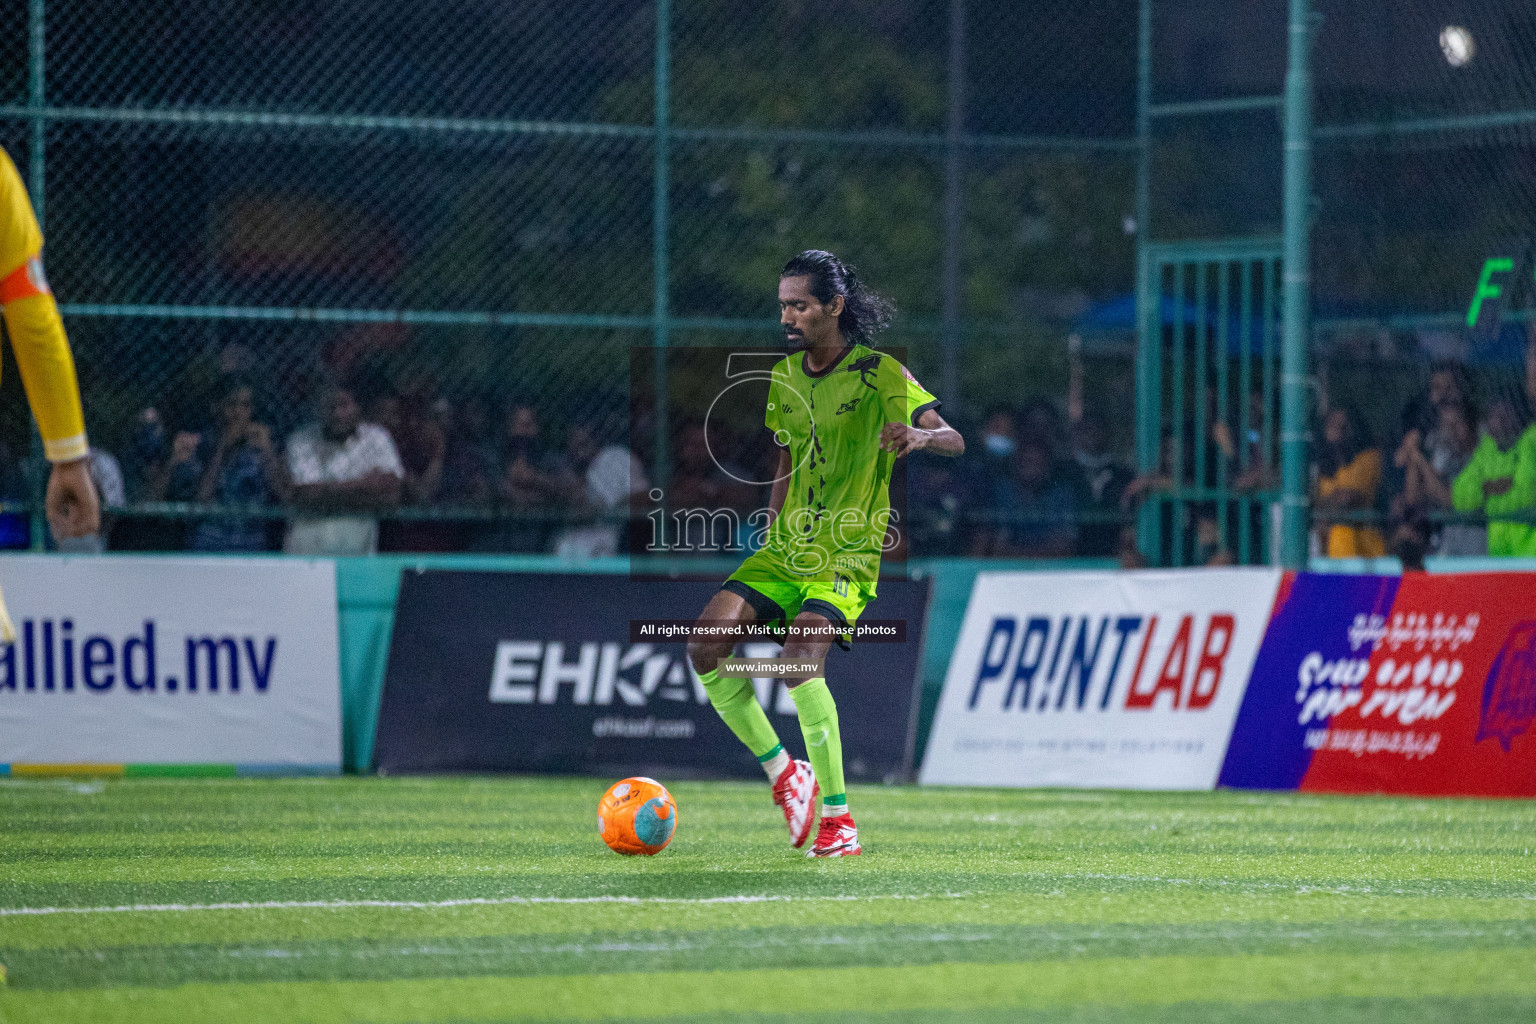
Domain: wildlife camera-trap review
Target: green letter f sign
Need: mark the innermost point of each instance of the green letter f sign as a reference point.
(1486, 289)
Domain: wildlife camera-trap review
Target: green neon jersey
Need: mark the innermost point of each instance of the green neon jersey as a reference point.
(838, 504)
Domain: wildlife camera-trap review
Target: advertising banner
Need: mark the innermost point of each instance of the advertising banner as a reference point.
(1424, 684)
(166, 661)
(1128, 680)
(544, 673)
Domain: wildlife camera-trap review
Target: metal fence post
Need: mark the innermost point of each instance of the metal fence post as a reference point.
(1149, 319)
(36, 99)
(954, 212)
(36, 175)
(660, 308)
(1296, 282)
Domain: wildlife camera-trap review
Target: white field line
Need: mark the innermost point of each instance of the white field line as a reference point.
(514, 901)
(499, 901)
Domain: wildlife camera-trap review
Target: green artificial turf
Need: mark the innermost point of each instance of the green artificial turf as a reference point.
(500, 903)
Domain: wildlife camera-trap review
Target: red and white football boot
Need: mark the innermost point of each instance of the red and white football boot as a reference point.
(838, 837)
(796, 790)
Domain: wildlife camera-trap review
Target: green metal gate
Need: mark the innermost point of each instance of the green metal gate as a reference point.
(1208, 387)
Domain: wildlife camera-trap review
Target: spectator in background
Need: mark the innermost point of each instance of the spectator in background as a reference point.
(1160, 480)
(602, 479)
(1348, 480)
(1427, 480)
(999, 441)
(145, 450)
(530, 484)
(1411, 537)
(530, 475)
(175, 475)
(240, 468)
(1201, 541)
(1040, 421)
(381, 406)
(991, 464)
(145, 468)
(935, 506)
(1099, 480)
(107, 475)
(469, 463)
(1245, 454)
(1448, 385)
(1039, 509)
(344, 473)
(698, 481)
(418, 426)
(1500, 480)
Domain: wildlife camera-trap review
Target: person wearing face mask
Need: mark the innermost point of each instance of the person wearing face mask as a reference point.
(1000, 436)
(988, 473)
(1100, 480)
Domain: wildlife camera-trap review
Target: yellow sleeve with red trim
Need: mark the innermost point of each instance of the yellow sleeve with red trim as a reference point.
(32, 319)
(20, 237)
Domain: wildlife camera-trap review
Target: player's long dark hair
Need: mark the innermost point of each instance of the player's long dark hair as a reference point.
(865, 313)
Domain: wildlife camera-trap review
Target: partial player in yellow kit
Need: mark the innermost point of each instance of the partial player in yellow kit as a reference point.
(47, 368)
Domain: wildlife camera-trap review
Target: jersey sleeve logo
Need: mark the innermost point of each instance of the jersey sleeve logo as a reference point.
(908, 374)
(866, 368)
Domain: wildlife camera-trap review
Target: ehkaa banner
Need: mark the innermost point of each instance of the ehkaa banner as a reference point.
(539, 673)
(1124, 680)
(219, 661)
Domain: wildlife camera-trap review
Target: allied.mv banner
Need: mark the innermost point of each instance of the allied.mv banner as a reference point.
(171, 661)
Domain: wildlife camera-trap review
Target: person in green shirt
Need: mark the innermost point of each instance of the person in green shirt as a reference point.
(841, 414)
(1501, 480)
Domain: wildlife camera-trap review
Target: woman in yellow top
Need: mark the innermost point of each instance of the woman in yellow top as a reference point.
(1348, 479)
(47, 368)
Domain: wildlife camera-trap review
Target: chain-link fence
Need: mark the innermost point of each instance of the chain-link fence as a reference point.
(473, 214)
(460, 209)
(1426, 123)
(1422, 223)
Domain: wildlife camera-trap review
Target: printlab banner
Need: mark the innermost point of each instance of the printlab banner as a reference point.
(1421, 684)
(540, 673)
(1127, 680)
(171, 661)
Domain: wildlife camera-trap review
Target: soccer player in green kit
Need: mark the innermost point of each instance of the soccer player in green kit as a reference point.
(842, 414)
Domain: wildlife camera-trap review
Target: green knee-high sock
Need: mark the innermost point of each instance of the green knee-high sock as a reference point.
(824, 743)
(737, 704)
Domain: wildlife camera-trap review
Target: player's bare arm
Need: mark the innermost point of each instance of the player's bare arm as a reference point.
(931, 434)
